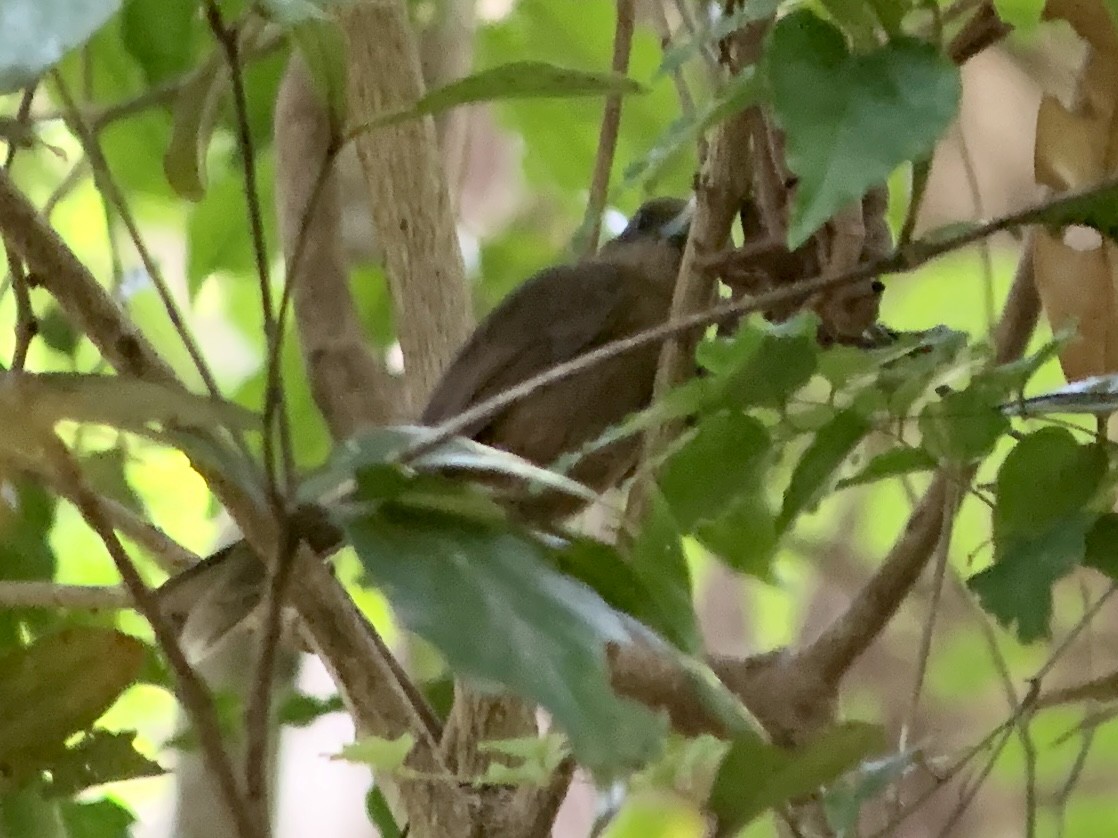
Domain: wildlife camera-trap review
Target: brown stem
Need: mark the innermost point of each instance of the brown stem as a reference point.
(611, 120)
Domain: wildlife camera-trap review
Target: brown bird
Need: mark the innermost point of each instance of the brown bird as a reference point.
(558, 314)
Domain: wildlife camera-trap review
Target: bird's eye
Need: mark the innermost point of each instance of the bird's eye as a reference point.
(637, 222)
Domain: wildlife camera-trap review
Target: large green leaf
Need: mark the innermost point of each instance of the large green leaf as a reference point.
(1047, 477)
(500, 614)
(35, 34)
(1047, 489)
(851, 118)
(1017, 588)
(725, 456)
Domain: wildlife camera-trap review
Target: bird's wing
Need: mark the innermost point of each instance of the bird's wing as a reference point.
(551, 318)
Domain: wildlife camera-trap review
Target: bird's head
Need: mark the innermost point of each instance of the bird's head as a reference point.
(666, 219)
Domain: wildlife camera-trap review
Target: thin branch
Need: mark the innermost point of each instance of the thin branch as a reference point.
(258, 710)
(26, 324)
(611, 120)
(36, 594)
(275, 412)
(923, 655)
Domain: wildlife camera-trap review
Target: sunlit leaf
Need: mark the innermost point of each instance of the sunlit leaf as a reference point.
(384, 755)
(536, 758)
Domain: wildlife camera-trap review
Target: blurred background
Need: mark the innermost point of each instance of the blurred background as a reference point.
(521, 172)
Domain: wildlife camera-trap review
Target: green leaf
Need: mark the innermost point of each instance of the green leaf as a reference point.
(851, 119)
(745, 536)
(783, 363)
(300, 709)
(892, 463)
(35, 34)
(380, 813)
(217, 233)
(723, 457)
(657, 558)
(195, 116)
(536, 758)
(756, 776)
(161, 36)
(1017, 588)
(382, 755)
(26, 520)
(515, 80)
(60, 685)
(660, 600)
(1102, 545)
(685, 49)
(491, 604)
(105, 473)
(740, 92)
(99, 757)
(57, 333)
(963, 426)
(1046, 478)
(1020, 14)
(375, 448)
(826, 453)
(98, 819)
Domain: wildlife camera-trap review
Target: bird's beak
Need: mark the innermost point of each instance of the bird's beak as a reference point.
(677, 228)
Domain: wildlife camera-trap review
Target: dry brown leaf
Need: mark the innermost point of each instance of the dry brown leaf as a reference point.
(1075, 148)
